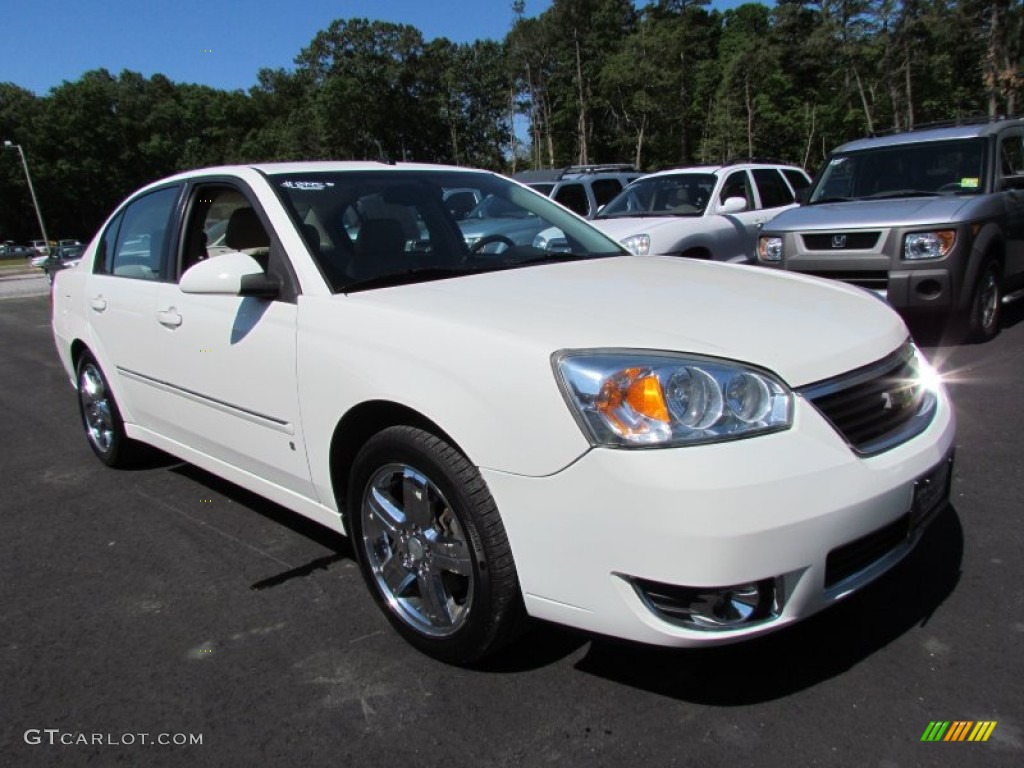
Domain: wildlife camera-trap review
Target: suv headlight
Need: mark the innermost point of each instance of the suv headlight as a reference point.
(638, 245)
(928, 245)
(654, 399)
(769, 248)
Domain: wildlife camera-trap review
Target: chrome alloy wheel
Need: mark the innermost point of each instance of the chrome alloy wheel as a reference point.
(416, 550)
(96, 408)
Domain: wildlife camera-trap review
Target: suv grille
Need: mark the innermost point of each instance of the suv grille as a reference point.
(837, 241)
(876, 407)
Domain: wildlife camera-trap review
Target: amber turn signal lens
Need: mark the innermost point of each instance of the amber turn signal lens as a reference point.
(645, 397)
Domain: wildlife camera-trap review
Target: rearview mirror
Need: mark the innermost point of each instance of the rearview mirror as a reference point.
(229, 274)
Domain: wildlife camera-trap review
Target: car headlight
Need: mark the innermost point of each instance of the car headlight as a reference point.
(928, 245)
(638, 245)
(653, 399)
(769, 248)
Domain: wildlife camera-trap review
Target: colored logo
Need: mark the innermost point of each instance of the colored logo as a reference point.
(958, 730)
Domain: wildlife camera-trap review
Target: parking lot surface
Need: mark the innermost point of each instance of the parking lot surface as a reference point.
(166, 605)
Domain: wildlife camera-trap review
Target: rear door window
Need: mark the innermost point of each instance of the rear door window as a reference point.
(772, 188)
(573, 197)
(605, 190)
(140, 245)
(797, 180)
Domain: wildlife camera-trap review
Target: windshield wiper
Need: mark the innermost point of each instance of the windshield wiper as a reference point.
(639, 215)
(900, 193)
(556, 258)
(830, 200)
(415, 275)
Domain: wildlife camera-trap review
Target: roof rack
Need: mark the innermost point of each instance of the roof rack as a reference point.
(600, 168)
(951, 123)
(760, 160)
(557, 174)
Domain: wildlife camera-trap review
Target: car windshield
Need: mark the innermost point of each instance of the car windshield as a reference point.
(955, 167)
(677, 194)
(369, 229)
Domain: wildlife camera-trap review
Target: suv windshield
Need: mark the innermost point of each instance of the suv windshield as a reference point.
(904, 170)
(369, 229)
(679, 194)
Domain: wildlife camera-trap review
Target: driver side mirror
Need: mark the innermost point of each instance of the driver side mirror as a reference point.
(733, 205)
(229, 274)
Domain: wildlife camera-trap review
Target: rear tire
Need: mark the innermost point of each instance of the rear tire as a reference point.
(101, 418)
(431, 546)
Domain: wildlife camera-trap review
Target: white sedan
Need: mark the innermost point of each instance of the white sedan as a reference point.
(669, 451)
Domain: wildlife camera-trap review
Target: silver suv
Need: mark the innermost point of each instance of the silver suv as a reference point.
(933, 220)
(584, 189)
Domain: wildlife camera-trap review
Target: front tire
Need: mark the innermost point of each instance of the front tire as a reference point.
(431, 546)
(984, 313)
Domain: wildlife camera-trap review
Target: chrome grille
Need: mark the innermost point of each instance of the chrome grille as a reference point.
(876, 407)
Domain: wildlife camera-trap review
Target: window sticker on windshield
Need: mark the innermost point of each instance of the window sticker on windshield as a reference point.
(316, 186)
(970, 182)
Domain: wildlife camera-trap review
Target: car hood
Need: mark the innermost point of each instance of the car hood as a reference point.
(623, 227)
(802, 328)
(871, 213)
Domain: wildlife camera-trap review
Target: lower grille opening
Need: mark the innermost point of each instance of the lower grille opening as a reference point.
(852, 558)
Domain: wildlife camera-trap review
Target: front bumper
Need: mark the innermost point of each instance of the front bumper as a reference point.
(765, 508)
(871, 259)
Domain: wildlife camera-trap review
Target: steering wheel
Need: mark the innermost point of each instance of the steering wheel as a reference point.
(483, 242)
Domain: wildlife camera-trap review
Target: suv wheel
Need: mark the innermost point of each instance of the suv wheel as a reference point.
(984, 313)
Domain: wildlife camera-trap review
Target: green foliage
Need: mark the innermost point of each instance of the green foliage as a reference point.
(664, 83)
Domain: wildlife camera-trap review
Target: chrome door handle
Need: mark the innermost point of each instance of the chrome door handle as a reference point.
(169, 318)
(98, 303)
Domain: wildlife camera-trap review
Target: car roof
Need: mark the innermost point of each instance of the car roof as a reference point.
(310, 166)
(717, 168)
(969, 130)
(313, 166)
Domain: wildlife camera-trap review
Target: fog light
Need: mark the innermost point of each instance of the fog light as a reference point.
(711, 608)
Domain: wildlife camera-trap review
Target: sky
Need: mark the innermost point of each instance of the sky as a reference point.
(213, 42)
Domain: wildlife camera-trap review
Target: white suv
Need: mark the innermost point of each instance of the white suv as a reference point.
(705, 212)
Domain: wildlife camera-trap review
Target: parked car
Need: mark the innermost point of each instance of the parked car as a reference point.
(704, 212)
(931, 219)
(65, 255)
(619, 444)
(9, 249)
(584, 189)
(41, 247)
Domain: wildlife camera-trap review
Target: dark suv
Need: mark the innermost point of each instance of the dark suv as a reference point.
(933, 220)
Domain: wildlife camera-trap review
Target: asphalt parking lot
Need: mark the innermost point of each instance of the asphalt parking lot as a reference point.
(166, 602)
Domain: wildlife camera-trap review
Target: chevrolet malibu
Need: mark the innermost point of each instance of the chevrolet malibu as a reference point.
(668, 451)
